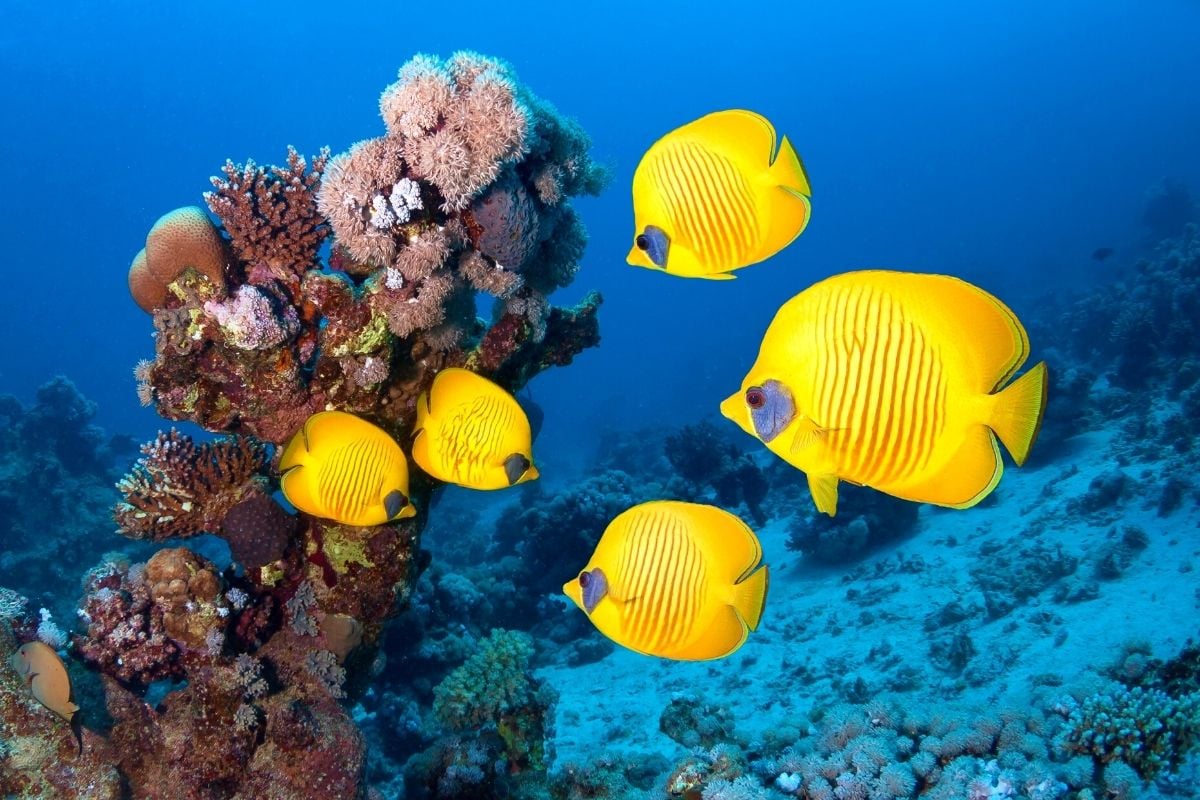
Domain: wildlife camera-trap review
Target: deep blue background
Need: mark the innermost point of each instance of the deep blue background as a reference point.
(1002, 142)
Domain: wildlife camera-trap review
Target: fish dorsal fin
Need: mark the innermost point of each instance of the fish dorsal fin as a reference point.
(951, 312)
(454, 384)
(748, 135)
(731, 548)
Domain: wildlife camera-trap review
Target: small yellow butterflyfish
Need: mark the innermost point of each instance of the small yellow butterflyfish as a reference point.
(676, 580)
(894, 380)
(344, 468)
(472, 433)
(715, 195)
(44, 673)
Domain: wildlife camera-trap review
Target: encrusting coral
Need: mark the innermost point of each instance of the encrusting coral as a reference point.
(466, 191)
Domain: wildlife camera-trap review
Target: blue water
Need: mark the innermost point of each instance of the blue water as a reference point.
(1000, 142)
(1003, 142)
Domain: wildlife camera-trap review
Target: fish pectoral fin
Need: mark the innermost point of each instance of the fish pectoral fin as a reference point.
(824, 492)
(808, 433)
(718, 276)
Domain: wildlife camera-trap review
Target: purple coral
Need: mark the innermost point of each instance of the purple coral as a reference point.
(252, 319)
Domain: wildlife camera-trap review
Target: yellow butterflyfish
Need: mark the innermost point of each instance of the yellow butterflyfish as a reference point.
(471, 432)
(40, 668)
(344, 468)
(715, 195)
(676, 580)
(898, 381)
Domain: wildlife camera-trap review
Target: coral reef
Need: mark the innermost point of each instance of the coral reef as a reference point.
(251, 666)
(494, 687)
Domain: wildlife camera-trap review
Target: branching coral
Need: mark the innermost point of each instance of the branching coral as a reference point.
(495, 687)
(179, 489)
(1147, 729)
(270, 214)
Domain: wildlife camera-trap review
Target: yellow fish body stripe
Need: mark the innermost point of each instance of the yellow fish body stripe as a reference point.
(663, 582)
(353, 477)
(471, 432)
(709, 203)
(879, 385)
(898, 381)
(675, 580)
(342, 467)
(472, 436)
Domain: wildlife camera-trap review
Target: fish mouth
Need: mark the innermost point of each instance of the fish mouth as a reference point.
(638, 258)
(734, 409)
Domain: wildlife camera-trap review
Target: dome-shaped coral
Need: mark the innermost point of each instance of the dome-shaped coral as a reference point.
(148, 292)
(180, 239)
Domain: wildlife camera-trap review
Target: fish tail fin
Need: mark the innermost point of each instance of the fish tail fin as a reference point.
(787, 170)
(294, 452)
(77, 729)
(1017, 412)
(750, 597)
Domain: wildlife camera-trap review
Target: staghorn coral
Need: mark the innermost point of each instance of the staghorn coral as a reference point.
(270, 214)
(179, 489)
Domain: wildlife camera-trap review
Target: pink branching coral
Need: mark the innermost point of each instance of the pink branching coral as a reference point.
(270, 213)
(179, 488)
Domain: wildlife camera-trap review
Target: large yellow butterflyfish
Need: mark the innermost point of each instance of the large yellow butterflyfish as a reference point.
(344, 468)
(893, 380)
(471, 432)
(676, 580)
(715, 195)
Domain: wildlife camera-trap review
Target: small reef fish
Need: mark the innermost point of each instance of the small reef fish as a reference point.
(676, 580)
(714, 196)
(44, 673)
(1102, 253)
(341, 467)
(472, 433)
(895, 381)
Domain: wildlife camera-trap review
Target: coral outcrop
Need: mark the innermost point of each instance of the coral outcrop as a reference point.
(467, 191)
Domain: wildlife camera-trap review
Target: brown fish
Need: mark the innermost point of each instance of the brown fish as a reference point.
(45, 674)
